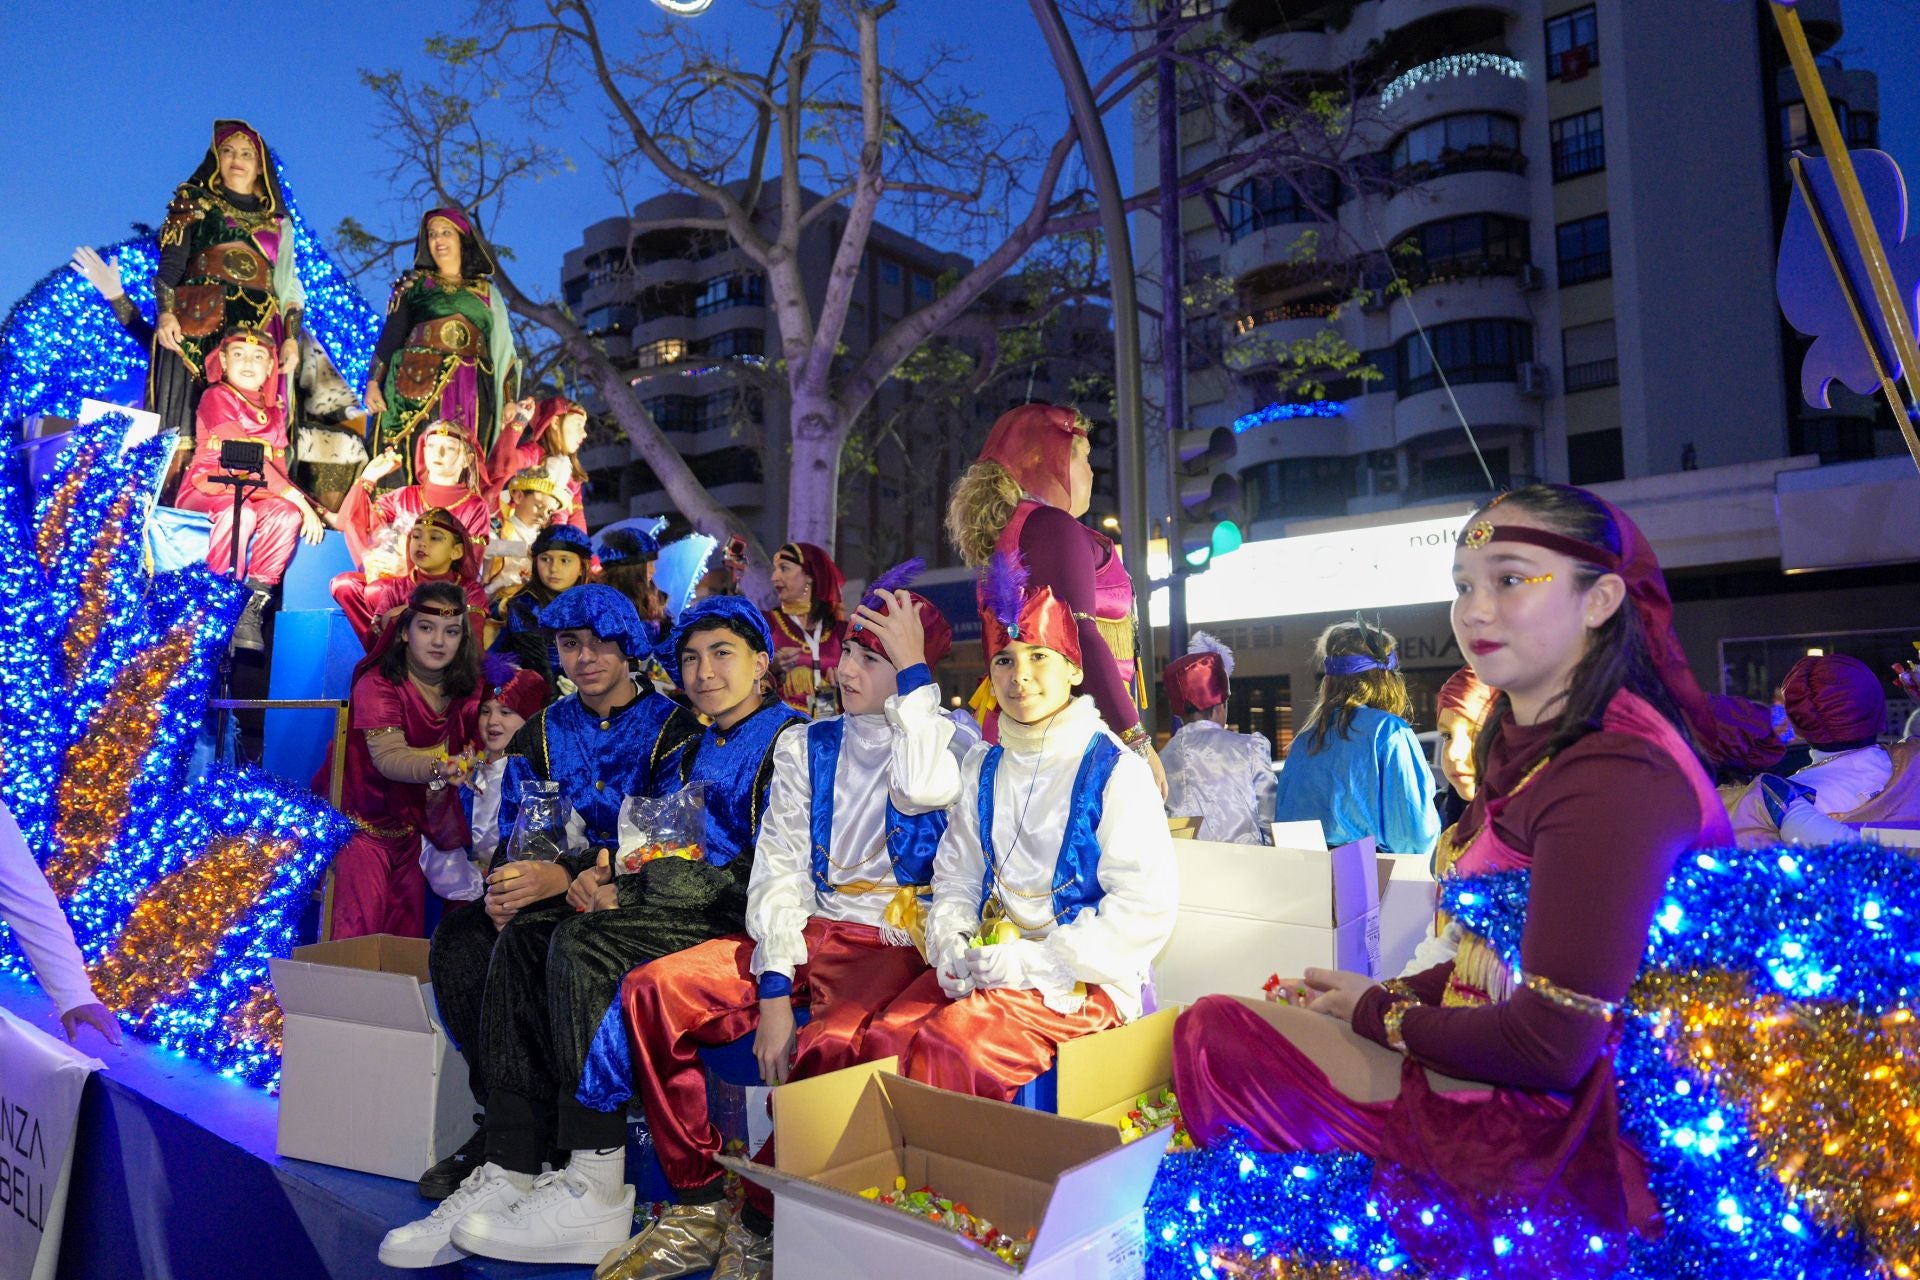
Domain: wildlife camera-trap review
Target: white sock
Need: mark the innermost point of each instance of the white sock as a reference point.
(521, 1181)
(605, 1171)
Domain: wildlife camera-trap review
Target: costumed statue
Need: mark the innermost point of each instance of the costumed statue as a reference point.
(550, 443)
(1480, 1090)
(1025, 495)
(226, 259)
(447, 468)
(446, 350)
(104, 276)
(527, 505)
(242, 402)
(1221, 777)
(809, 626)
(438, 550)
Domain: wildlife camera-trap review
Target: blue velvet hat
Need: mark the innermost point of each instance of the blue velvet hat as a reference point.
(735, 609)
(603, 611)
(563, 537)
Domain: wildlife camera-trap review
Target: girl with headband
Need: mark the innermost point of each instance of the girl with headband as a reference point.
(1356, 766)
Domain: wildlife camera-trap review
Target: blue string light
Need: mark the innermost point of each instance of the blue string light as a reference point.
(1848, 913)
(1286, 412)
(61, 343)
(64, 734)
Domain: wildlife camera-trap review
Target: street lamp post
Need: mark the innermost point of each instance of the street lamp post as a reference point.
(1126, 314)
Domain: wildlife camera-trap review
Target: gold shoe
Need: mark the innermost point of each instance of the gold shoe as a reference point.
(744, 1255)
(683, 1240)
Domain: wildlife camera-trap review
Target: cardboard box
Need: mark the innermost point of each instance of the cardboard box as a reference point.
(1408, 896)
(1249, 911)
(1102, 1076)
(368, 1079)
(1075, 1182)
(1893, 836)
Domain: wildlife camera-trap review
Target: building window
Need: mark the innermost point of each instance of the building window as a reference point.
(1860, 128)
(889, 272)
(1459, 473)
(675, 413)
(1475, 244)
(1589, 357)
(1295, 487)
(1585, 251)
(1259, 203)
(1467, 350)
(575, 290)
(922, 288)
(1573, 44)
(655, 354)
(1458, 144)
(1578, 145)
(611, 319)
(1595, 457)
(724, 292)
(734, 342)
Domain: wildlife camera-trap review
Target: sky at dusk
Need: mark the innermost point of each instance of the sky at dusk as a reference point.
(109, 105)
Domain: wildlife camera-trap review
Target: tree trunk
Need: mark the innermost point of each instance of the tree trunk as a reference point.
(813, 483)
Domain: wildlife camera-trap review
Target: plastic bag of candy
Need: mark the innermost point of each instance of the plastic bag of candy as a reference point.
(671, 826)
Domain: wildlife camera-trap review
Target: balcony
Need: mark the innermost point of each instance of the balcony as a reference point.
(1591, 375)
(1452, 196)
(1269, 246)
(1487, 405)
(1494, 295)
(1393, 14)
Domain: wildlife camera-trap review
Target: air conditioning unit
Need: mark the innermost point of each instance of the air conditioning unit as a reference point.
(1532, 277)
(1533, 379)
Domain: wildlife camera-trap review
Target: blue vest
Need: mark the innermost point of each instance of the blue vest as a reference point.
(911, 839)
(1076, 880)
(598, 768)
(739, 764)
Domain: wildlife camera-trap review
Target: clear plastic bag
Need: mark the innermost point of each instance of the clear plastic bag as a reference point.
(540, 828)
(672, 826)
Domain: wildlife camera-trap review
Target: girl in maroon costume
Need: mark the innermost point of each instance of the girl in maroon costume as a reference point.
(415, 708)
(809, 626)
(1025, 494)
(1562, 607)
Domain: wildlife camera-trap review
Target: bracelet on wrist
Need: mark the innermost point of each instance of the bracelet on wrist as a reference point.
(1390, 1023)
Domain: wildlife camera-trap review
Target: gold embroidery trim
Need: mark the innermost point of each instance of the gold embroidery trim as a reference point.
(1567, 998)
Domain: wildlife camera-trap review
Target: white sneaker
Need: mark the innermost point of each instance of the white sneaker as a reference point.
(560, 1220)
(426, 1242)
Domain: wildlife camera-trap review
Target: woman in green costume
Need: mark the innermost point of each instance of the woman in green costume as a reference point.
(226, 261)
(446, 351)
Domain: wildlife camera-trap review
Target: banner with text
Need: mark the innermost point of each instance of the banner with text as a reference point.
(40, 1083)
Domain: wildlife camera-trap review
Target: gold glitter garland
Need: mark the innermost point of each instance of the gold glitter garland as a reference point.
(50, 538)
(83, 628)
(1243, 1264)
(1832, 1094)
(101, 768)
(174, 932)
(257, 1022)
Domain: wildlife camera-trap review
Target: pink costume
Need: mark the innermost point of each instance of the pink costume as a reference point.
(378, 886)
(519, 448)
(269, 523)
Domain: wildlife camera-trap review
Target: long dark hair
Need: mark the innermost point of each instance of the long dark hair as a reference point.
(1341, 697)
(463, 673)
(1617, 656)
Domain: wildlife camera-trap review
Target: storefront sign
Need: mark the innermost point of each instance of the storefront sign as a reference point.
(1378, 568)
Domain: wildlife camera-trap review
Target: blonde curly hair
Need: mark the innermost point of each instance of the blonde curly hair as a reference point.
(982, 503)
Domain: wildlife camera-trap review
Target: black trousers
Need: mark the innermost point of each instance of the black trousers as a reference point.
(457, 960)
(554, 974)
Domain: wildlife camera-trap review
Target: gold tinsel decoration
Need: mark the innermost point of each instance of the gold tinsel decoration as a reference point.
(1243, 1264)
(1832, 1094)
(257, 1021)
(50, 538)
(103, 765)
(83, 629)
(175, 929)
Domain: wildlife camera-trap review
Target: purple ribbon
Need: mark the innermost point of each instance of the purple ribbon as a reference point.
(1353, 664)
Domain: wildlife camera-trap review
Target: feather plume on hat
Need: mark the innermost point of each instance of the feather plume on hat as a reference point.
(1203, 642)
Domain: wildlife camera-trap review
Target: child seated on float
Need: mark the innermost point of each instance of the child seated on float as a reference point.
(1055, 885)
(529, 505)
(844, 853)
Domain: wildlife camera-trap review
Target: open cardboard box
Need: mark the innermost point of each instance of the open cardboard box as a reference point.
(368, 1079)
(1102, 1076)
(1074, 1183)
(1893, 835)
(1249, 911)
